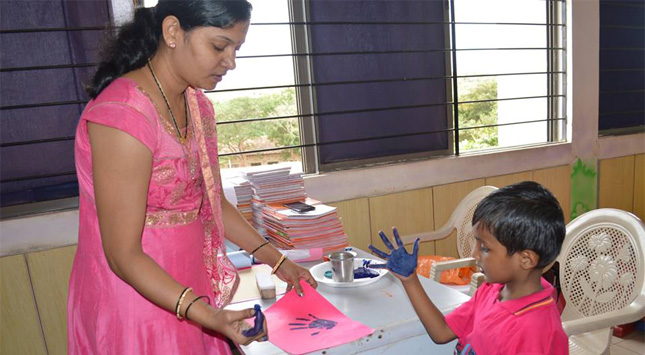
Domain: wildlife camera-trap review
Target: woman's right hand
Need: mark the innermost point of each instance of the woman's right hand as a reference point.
(231, 324)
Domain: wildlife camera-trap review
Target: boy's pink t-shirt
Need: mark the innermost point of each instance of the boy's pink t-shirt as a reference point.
(528, 325)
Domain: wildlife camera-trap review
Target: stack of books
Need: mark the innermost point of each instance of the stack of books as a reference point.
(319, 228)
(243, 193)
(276, 185)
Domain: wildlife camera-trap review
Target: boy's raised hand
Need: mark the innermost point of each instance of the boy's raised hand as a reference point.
(398, 261)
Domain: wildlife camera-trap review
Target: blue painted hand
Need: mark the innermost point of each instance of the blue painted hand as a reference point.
(399, 260)
(258, 325)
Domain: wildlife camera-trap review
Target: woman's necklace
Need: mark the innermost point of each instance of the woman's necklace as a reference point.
(172, 115)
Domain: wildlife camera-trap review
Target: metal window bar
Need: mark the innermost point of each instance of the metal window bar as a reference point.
(54, 29)
(314, 144)
(74, 102)
(384, 137)
(273, 118)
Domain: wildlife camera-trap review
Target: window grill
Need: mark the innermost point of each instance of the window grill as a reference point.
(308, 114)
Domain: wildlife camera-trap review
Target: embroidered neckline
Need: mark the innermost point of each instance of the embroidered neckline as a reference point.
(170, 130)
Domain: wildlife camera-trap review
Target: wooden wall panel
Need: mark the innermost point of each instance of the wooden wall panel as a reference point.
(50, 270)
(355, 216)
(639, 186)
(445, 200)
(616, 183)
(505, 180)
(409, 211)
(20, 331)
(558, 181)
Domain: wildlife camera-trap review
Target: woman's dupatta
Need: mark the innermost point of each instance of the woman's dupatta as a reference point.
(221, 271)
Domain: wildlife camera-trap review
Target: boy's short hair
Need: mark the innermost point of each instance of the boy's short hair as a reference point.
(524, 216)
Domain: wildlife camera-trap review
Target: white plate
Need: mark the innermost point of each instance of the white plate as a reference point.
(318, 272)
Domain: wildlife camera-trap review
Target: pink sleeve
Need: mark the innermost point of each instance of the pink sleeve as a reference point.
(461, 319)
(125, 118)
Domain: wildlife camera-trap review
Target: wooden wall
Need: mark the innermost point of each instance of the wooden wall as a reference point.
(34, 301)
(429, 208)
(33, 286)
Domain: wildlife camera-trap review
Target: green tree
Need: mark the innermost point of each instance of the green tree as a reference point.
(244, 136)
(286, 132)
(478, 114)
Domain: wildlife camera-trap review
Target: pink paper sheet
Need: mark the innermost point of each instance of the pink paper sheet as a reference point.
(299, 325)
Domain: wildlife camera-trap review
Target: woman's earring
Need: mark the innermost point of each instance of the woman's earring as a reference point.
(172, 45)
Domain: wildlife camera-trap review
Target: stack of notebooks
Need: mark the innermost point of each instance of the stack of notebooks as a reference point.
(276, 185)
(243, 193)
(288, 229)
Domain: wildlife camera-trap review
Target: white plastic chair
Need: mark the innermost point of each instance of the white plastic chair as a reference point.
(461, 220)
(602, 277)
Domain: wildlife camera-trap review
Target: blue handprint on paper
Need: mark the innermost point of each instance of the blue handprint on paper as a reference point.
(314, 323)
(399, 260)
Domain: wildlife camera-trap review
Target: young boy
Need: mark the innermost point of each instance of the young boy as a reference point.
(519, 230)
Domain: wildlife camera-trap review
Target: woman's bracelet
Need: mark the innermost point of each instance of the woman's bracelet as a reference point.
(259, 246)
(193, 301)
(277, 265)
(180, 300)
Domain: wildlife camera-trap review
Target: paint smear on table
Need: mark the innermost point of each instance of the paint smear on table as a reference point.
(299, 325)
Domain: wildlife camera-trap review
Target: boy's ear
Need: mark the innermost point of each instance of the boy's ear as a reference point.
(528, 259)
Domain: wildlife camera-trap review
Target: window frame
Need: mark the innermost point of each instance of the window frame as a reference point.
(306, 92)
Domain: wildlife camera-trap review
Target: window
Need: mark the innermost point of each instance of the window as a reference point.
(320, 84)
(622, 67)
(370, 82)
(255, 105)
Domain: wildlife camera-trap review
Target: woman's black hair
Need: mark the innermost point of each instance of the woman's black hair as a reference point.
(138, 40)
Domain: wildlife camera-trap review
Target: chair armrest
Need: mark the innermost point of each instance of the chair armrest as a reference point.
(444, 232)
(632, 313)
(438, 267)
(475, 281)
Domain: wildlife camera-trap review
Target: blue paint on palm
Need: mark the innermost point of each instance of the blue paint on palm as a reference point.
(258, 325)
(399, 260)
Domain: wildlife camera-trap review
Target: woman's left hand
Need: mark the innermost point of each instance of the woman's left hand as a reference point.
(291, 273)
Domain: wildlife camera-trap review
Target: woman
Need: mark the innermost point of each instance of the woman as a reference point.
(147, 278)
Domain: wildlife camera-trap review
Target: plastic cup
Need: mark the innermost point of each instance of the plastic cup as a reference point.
(342, 266)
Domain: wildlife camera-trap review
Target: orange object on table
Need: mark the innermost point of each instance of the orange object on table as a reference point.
(459, 276)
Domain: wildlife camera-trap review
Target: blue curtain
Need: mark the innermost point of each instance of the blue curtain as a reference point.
(622, 64)
(415, 51)
(44, 104)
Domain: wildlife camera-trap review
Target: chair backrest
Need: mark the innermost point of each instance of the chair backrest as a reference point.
(602, 264)
(461, 220)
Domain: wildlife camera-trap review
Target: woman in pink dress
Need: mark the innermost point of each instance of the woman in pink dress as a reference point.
(147, 278)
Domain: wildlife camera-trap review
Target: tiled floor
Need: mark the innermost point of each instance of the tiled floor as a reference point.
(632, 344)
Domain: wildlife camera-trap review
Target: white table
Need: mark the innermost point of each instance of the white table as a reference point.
(382, 306)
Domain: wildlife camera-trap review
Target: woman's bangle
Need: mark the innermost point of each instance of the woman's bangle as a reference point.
(259, 246)
(179, 302)
(277, 265)
(193, 301)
